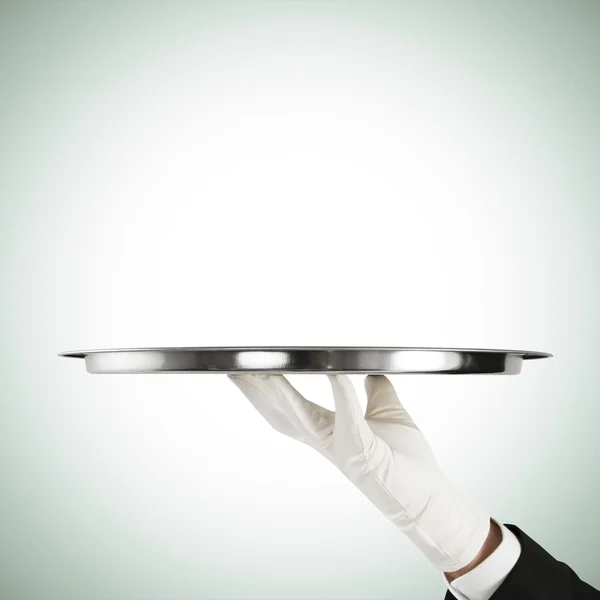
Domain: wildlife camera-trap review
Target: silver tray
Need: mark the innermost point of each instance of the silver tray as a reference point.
(306, 359)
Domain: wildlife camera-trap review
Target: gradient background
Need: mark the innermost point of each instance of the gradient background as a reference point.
(289, 172)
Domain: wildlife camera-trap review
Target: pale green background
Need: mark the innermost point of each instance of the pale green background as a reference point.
(379, 173)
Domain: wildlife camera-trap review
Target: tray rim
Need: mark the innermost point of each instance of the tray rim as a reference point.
(525, 354)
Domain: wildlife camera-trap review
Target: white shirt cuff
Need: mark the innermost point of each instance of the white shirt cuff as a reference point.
(482, 581)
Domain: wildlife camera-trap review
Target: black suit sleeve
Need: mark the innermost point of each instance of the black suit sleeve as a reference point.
(539, 576)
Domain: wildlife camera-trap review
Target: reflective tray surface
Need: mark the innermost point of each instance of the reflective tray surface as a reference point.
(306, 359)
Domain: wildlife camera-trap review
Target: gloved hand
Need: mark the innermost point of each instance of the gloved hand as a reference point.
(384, 454)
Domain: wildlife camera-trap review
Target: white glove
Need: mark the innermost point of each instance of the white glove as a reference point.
(384, 454)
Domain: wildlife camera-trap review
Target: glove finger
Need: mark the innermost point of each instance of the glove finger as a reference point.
(383, 402)
(262, 399)
(284, 384)
(349, 418)
(309, 418)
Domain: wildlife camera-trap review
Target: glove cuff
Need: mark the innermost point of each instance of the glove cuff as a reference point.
(450, 538)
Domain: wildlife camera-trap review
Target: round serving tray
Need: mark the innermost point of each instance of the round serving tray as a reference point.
(306, 359)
